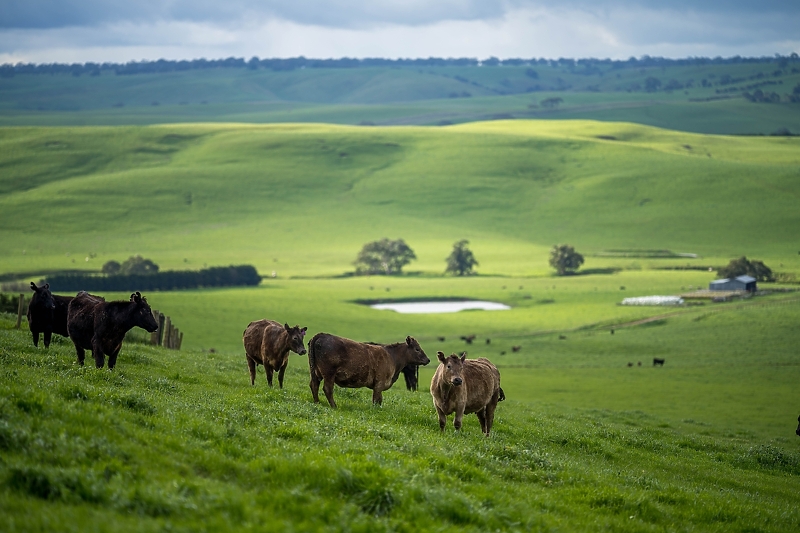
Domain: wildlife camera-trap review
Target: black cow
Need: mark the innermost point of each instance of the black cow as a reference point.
(658, 362)
(100, 326)
(47, 313)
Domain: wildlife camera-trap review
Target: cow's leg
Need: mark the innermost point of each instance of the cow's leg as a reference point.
(459, 416)
(269, 370)
(48, 333)
(97, 352)
(35, 335)
(251, 364)
(490, 413)
(327, 388)
(282, 371)
(442, 418)
(81, 354)
(482, 418)
(314, 384)
(377, 397)
(112, 357)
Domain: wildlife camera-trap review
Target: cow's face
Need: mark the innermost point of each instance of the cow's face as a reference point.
(143, 315)
(798, 426)
(43, 295)
(418, 356)
(296, 335)
(453, 368)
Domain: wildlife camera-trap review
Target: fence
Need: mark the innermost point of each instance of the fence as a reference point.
(167, 335)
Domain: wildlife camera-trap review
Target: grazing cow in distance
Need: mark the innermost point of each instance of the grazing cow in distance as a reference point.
(47, 313)
(100, 326)
(268, 343)
(411, 375)
(658, 362)
(562, 337)
(516, 348)
(352, 364)
(467, 338)
(464, 386)
(488, 341)
(440, 339)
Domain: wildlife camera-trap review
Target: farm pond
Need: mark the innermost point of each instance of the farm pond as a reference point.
(440, 307)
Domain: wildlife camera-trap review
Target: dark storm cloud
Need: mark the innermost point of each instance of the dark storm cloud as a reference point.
(343, 13)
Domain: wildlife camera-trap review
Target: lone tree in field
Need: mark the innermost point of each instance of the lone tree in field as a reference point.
(461, 261)
(111, 267)
(565, 259)
(744, 267)
(384, 257)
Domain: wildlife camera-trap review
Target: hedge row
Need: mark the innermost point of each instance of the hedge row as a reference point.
(230, 276)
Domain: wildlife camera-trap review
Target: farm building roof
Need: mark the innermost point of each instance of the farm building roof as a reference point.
(745, 279)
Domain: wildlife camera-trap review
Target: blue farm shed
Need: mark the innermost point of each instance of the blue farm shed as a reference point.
(739, 283)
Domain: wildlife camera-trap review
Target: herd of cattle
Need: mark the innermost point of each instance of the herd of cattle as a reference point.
(459, 385)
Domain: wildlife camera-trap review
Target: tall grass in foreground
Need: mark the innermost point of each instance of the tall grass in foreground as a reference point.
(179, 441)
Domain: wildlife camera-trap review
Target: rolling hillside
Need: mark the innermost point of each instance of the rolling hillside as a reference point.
(704, 98)
(302, 199)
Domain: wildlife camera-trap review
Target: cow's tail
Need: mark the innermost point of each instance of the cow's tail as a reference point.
(312, 354)
(502, 395)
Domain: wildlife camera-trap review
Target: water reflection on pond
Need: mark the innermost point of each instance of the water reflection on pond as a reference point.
(440, 307)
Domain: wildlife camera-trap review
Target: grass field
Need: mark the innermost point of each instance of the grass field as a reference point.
(180, 441)
(709, 98)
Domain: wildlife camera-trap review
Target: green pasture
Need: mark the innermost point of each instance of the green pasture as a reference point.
(301, 200)
(421, 96)
(181, 441)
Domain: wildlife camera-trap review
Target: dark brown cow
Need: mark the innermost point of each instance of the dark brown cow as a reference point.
(464, 386)
(47, 313)
(658, 362)
(100, 326)
(268, 343)
(411, 375)
(351, 364)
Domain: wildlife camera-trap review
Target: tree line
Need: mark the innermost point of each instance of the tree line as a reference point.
(579, 66)
(230, 276)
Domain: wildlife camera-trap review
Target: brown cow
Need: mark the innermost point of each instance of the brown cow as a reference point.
(351, 364)
(464, 386)
(268, 343)
(47, 313)
(100, 326)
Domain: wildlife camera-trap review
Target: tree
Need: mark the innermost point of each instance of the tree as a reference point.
(461, 261)
(551, 103)
(111, 268)
(744, 267)
(651, 84)
(565, 259)
(384, 257)
(136, 264)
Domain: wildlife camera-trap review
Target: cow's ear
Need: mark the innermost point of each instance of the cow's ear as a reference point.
(463, 356)
(303, 330)
(287, 327)
(46, 286)
(441, 357)
(408, 341)
(133, 297)
(33, 286)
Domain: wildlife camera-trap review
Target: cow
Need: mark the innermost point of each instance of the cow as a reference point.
(658, 362)
(516, 348)
(47, 313)
(467, 338)
(464, 386)
(352, 364)
(411, 375)
(100, 326)
(268, 343)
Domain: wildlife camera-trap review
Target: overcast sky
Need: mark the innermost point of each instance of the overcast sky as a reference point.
(45, 31)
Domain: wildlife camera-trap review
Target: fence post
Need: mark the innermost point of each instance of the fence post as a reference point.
(154, 335)
(168, 333)
(160, 329)
(180, 341)
(20, 308)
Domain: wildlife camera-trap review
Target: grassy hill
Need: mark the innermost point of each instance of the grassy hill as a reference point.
(302, 199)
(180, 441)
(700, 98)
